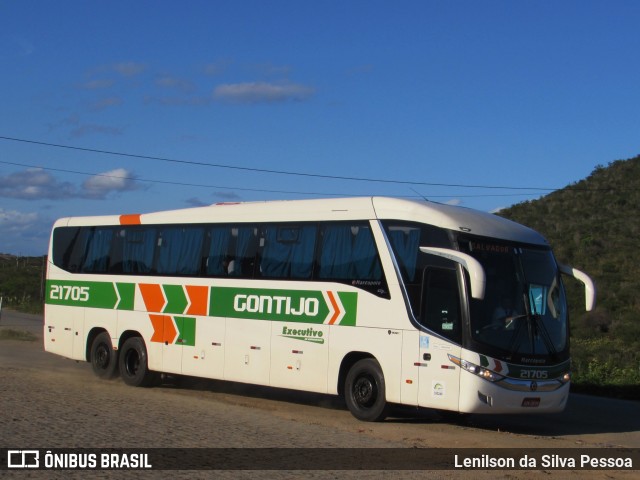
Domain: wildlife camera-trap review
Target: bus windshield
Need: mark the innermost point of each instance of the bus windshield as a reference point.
(524, 310)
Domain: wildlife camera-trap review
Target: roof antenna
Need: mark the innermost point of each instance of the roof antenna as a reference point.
(420, 195)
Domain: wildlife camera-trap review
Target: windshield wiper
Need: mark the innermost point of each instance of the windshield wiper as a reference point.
(544, 333)
(514, 344)
(535, 327)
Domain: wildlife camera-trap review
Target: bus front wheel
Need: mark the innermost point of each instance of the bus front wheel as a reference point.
(365, 391)
(104, 359)
(133, 364)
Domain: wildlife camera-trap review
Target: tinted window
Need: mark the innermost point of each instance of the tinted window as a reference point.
(138, 249)
(342, 252)
(288, 251)
(441, 307)
(179, 250)
(96, 243)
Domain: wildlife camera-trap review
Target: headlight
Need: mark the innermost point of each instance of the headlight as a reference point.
(476, 370)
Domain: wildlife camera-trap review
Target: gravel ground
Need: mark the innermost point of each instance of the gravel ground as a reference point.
(51, 402)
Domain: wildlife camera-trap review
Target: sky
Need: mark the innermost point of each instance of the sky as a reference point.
(112, 107)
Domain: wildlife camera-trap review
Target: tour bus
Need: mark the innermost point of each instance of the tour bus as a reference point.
(380, 300)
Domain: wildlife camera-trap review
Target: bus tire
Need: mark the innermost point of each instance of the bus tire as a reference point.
(103, 358)
(364, 391)
(133, 364)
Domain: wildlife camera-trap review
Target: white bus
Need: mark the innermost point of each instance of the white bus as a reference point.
(380, 300)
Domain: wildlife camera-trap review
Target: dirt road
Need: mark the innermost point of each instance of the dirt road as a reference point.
(51, 402)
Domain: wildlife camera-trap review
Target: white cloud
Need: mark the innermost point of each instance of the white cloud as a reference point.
(100, 185)
(262, 92)
(23, 233)
(35, 184)
(13, 221)
(38, 184)
(454, 202)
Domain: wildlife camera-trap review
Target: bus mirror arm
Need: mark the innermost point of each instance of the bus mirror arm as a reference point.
(471, 265)
(589, 287)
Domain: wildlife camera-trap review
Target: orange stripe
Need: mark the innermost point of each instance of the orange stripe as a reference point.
(170, 331)
(157, 321)
(336, 309)
(133, 219)
(152, 296)
(163, 329)
(198, 296)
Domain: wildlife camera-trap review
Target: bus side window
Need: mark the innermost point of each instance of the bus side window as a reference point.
(98, 248)
(441, 303)
(138, 249)
(349, 253)
(179, 250)
(217, 262)
(68, 248)
(288, 251)
(242, 262)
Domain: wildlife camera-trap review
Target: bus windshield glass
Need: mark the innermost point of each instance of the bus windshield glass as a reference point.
(524, 311)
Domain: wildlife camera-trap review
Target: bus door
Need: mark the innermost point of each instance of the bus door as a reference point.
(203, 353)
(439, 378)
(167, 329)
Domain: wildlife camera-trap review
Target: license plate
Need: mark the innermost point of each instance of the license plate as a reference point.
(531, 402)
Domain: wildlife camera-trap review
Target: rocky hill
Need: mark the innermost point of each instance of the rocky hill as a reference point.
(594, 225)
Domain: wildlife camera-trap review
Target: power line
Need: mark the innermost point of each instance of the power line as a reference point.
(226, 187)
(164, 182)
(270, 171)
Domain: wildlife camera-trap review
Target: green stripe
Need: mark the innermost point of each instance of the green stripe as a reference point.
(176, 299)
(90, 294)
(186, 330)
(350, 302)
(305, 306)
(302, 306)
(127, 292)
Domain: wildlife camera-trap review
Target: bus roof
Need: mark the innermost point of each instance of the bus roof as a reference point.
(335, 209)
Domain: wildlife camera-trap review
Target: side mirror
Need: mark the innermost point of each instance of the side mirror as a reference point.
(589, 287)
(476, 272)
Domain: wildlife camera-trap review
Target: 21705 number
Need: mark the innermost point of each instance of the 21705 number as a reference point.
(67, 292)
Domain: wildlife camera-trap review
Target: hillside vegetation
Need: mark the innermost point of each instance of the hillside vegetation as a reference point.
(594, 225)
(21, 282)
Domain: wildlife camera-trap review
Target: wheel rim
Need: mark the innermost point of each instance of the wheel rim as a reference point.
(365, 391)
(101, 359)
(132, 362)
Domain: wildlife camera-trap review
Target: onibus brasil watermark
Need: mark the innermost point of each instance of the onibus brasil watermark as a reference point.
(77, 460)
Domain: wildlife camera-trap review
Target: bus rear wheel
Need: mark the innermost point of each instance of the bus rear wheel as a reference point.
(133, 364)
(365, 391)
(104, 359)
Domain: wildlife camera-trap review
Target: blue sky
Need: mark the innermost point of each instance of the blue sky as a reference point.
(530, 95)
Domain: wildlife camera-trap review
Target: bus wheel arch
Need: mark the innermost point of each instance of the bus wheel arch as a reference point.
(363, 387)
(133, 361)
(101, 355)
